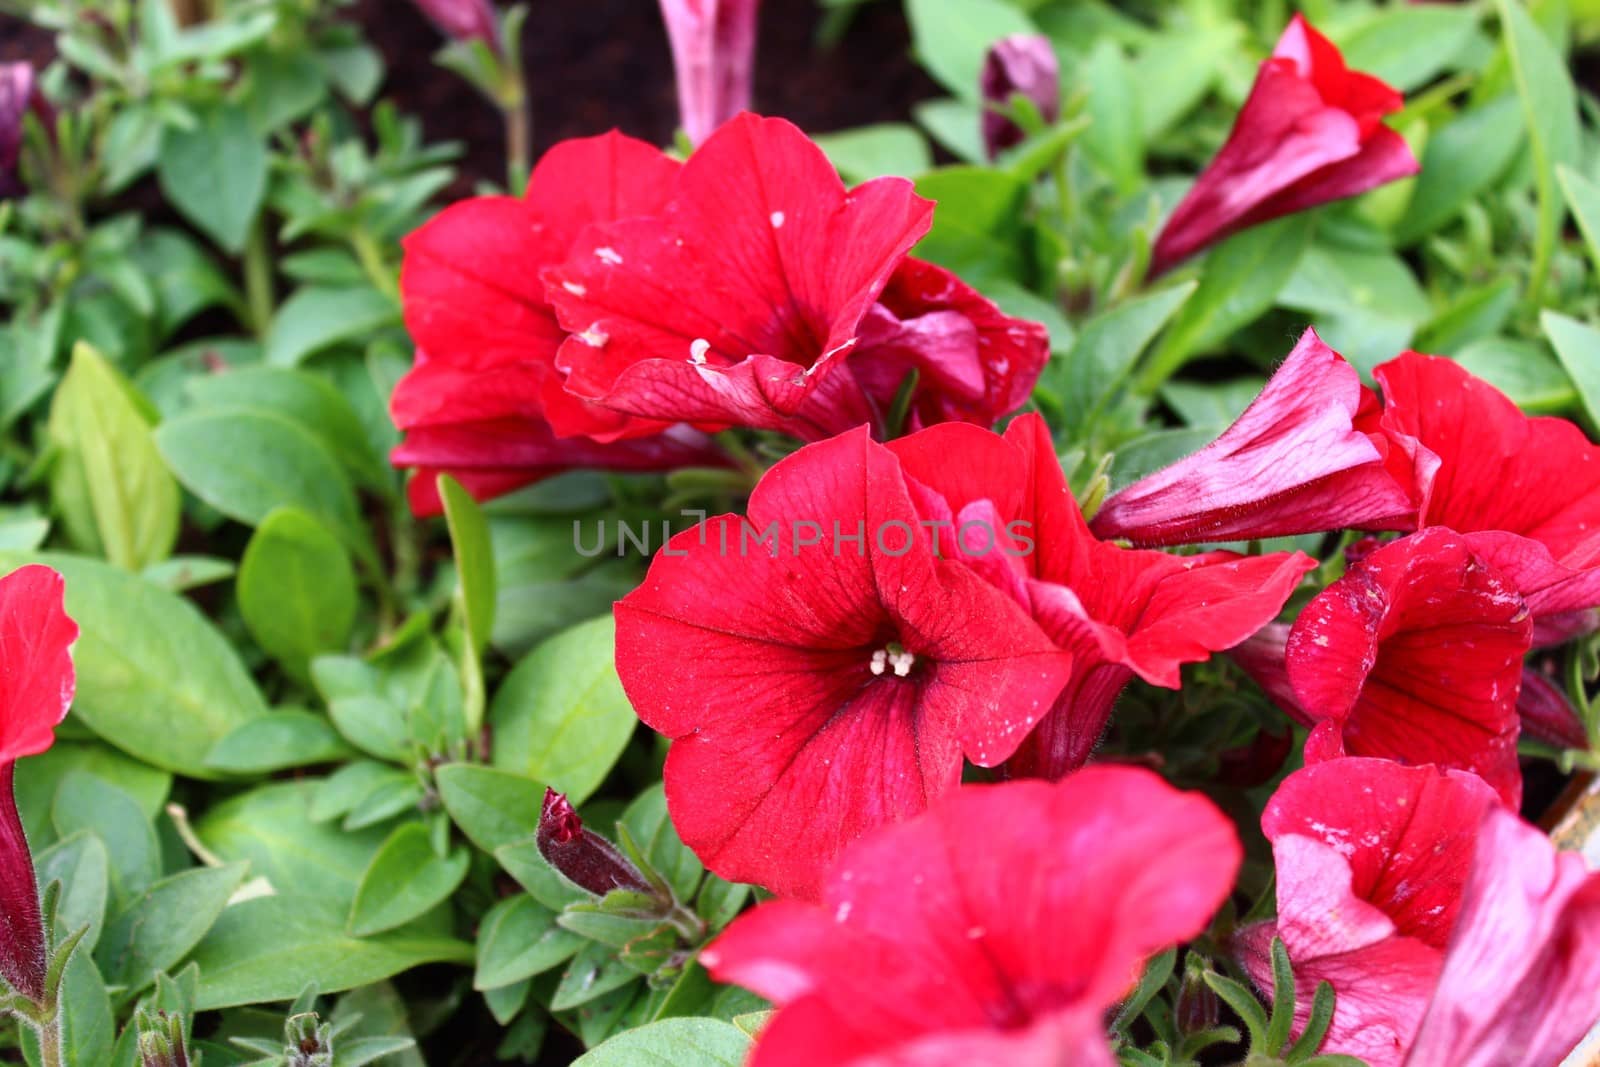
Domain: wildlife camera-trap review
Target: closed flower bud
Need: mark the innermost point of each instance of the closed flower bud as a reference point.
(582, 856)
(1025, 64)
(463, 20)
(1197, 1009)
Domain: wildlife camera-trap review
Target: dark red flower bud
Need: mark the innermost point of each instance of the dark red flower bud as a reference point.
(463, 20)
(1259, 761)
(584, 857)
(22, 949)
(1547, 714)
(1023, 63)
(1197, 1009)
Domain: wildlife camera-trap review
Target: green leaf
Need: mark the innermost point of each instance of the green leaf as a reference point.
(1243, 1002)
(159, 927)
(88, 1027)
(1550, 111)
(687, 1042)
(178, 574)
(1240, 279)
(593, 972)
(352, 784)
(38, 778)
(155, 678)
(404, 880)
(977, 225)
(272, 828)
(317, 317)
(270, 948)
(1462, 159)
(215, 173)
(1106, 349)
(185, 277)
(108, 482)
(308, 399)
(1175, 70)
(662, 850)
(247, 463)
(561, 717)
(296, 588)
(518, 938)
(1583, 197)
(83, 867)
(86, 803)
(469, 537)
(1578, 347)
(1114, 139)
(1408, 46)
(1473, 314)
(291, 737)
(952, 37)
(867, 152)
(492, 807)
(1523, 370)
(1366, 304)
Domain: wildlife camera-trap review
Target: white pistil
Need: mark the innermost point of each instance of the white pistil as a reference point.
(777, 220)
(698, 349)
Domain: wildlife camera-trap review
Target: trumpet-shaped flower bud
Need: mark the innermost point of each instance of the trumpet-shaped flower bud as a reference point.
(583, 857)
(714, 51)
(1023, 64)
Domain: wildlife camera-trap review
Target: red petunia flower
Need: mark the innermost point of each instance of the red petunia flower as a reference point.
(36, 686)
(713, 54)
(1525, 492)
(820, 670)
(1371, 858)
(973, 362)
(1415, 655)
(1022, 64)
(485, 402)
(996, 929)
(738, 304)
(1120, 612)
(1311, 132)
(1521, 979)
(1307, 455)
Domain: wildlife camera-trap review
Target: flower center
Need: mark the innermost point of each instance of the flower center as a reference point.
(893, 657)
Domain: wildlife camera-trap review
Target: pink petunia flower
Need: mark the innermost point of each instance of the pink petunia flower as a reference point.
(714, 53)
(1311, 132)
(1307, 455)
(1371, 858)
(997, 928)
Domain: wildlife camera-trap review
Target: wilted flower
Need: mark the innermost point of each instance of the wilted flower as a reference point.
(36, 686)
(714, 51)
(1311, 131)
(1025, 64)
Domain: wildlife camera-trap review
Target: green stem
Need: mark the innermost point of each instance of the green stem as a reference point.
(372, 261)
(259, 297)
(50, 1042)
(519, 141)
